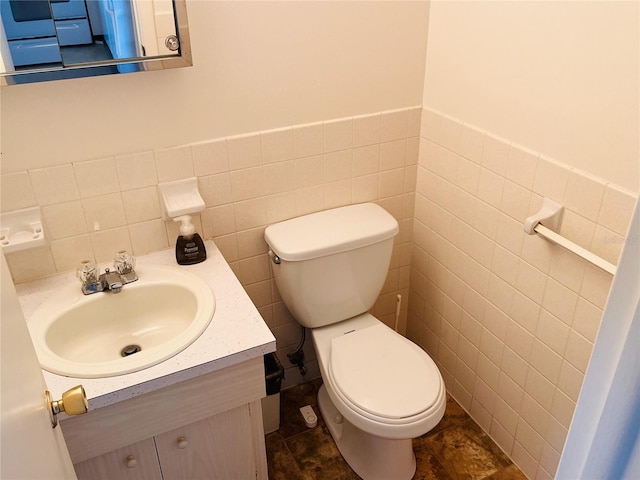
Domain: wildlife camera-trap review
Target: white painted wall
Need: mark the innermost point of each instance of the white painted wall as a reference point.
(257, 66)
(561, 77)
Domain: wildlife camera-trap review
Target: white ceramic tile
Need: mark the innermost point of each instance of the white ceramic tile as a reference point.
(471, 143)
(337, 166)
(556, 434)
(210, 158)
(617, 207)
(106, 243)
(136, 170)
(244, 151)
(69, 252)
(506, 416)
(450, 130)
(552, 331)
(414, 121)
(366, 130)
(515, 201)
(586, 319)
(500, 293)
(309, 200)
(521, 167)
(540, 388)
(247, 183)
(491, 346)
(16, 192)
(551, 179)
(538, 251)
(578, 351)
(215, 189)
(467, 175)
(577, 228)
(546, 361)
(495, 154)
(570, 380)
(413, 147)
(527, 464)
(32, 263)
(250, 213)
(595, 285)
(279, 177)
(251, 243)
(308, 140)
(485, 219)
(607, 244)
(488, 371)
(391, 183)
(515, 367)
(54, 184)
(567, 268)
(525, 311)
(104, 212)
(501, 436)
(519, 340)
(584, 194)
(141, 204)
(366, 160)
(490, 187)
(510, 234)
(393, 154)
(174, 163)
(510, 392)
(309, 171)
(277, 145)
(218, 221)
(394, 125)
(337, 194)
(96, 177)
(365, 189)
(149, 236)
(64, 220)
(531, 440)
(430, 124)
(534, 414)
(281, 207)
(559, 300)
(549, 460)
(338, 135)
(410, 179)
(563, 408)
(495, 321)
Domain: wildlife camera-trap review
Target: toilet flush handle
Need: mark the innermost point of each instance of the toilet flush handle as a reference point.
(275, 258)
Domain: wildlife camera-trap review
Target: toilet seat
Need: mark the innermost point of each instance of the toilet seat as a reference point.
(383, 376)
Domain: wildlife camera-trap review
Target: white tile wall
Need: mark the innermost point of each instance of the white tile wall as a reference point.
(92, 209)
(510, 318)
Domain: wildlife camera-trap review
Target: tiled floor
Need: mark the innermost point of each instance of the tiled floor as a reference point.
(456, 449)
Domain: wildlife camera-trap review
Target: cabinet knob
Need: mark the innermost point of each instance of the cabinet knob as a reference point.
(182, 442)
(130, 461)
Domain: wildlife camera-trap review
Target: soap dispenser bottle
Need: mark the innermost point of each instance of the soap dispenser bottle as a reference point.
(189, 246)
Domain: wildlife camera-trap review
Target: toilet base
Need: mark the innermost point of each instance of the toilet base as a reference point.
(371, 457)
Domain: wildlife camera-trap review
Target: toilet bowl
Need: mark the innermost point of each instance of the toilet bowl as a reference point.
(380, 389)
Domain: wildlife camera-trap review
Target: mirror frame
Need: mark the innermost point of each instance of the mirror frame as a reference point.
(160, 62)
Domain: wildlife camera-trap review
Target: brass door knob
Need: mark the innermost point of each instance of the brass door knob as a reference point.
(73, 402)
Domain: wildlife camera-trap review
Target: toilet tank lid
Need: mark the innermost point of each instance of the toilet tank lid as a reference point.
(331, 231)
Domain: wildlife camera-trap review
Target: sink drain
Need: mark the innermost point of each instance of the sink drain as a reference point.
(130, 350)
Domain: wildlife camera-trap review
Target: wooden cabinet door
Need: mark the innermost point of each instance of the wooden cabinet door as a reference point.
(219, 447)
(134, 462)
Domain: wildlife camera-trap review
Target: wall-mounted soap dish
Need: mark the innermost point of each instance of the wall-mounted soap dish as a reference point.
(21, 229)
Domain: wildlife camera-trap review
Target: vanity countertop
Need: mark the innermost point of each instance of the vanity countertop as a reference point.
(236, 333)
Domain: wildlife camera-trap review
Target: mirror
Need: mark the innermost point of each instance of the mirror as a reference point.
(42, 40)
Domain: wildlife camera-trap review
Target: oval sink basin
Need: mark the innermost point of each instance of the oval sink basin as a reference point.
(107, 334)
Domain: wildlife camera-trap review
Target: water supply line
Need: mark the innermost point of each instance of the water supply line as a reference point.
(398, 303)
(297, 356)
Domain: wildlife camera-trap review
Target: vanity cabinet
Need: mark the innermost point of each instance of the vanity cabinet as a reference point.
(206, 427)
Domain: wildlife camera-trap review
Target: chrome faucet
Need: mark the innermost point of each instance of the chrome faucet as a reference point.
(113, 281)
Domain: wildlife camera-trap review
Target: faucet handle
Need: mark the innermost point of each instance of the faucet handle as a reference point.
(124, 262)
(87, 272)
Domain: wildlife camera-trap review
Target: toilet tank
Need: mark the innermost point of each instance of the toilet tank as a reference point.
(331, 265)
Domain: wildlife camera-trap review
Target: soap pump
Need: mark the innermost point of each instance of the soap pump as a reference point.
(189, 245)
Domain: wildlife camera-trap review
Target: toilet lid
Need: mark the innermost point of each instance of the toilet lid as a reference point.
(383, 373)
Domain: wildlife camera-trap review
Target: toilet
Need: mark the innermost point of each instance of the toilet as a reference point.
(380, 390)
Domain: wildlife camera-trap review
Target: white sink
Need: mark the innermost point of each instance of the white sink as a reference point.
(162, 313)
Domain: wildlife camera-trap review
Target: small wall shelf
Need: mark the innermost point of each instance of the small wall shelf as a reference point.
(21, 229)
